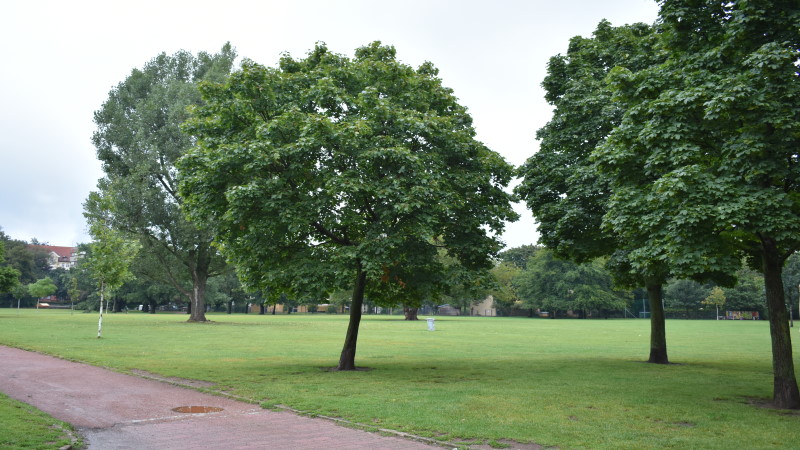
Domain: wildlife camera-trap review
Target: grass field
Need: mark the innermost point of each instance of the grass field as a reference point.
(565, 383)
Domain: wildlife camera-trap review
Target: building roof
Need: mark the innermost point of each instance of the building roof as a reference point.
(62, 252)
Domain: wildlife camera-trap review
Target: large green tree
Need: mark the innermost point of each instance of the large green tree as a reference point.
(561, 185)
(748, 294)
(687, 295)
(558, 286)
(138, 140)
(331, 172)
(705, 161)
(518, 256)
(504, 292)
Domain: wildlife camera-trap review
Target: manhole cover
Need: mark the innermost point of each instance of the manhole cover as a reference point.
(197, 409)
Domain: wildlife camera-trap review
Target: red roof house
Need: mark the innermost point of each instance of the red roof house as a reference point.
(64, 257)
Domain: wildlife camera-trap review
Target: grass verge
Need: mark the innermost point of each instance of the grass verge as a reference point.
(23, 426)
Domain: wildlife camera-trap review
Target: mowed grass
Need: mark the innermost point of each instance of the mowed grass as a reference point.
(23, 426)
(565, 383)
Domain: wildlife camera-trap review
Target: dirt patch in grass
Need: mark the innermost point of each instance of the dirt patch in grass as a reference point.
(506, 444)
(173, 380)
(357, 369)
(659, 364)
(766, 403)
(685, 424)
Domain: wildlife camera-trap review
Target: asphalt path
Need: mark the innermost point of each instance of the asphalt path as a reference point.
(113, 411)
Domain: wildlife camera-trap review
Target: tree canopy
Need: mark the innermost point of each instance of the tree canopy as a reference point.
(504, 293)
(685, 294)
(331, 172)
(555, 285)
(42, 288)
(748, 294)
(518, 256)
(716, 298)
(559, 183)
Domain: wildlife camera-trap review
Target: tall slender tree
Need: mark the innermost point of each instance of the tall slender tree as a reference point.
(111, 253)
(715, 298)
(138, 140)
(560, 183)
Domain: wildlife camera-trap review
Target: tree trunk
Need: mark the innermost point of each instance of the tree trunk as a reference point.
(261, 309)
(658, 333)
(100, 321)
(200, 262)
(347, 360)
(198, 298)
(153, 305)
(274, 307)
(410, 313)
(785, 394)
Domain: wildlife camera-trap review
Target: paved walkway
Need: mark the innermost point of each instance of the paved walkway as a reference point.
(116, 411)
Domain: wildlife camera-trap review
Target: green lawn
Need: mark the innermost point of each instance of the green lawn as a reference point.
(23, 426)
(565, 383)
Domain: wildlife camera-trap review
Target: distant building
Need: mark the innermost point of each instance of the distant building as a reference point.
(63, 257)
(484, 308)
(447, 310)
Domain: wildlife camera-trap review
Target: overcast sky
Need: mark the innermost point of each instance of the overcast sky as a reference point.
(62, 58)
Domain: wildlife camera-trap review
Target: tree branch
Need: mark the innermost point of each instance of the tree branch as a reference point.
(325, 232)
